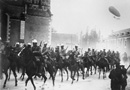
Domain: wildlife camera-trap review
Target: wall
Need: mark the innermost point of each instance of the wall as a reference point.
(37, 28)
(4, 27)
(14, 31)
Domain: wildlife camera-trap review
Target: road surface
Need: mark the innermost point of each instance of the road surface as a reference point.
(90, 83)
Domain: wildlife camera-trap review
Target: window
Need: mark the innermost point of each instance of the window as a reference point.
(128, 32)
(122, 34)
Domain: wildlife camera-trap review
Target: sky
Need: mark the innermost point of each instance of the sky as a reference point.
(74, 16)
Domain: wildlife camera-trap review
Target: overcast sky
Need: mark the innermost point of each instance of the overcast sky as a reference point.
(71, 16)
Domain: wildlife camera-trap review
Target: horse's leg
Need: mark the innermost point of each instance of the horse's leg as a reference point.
(51, 72)
(67, 73)
(35, 77)
(95, 67)
(71, 75)
(15, 75)
(26, 82)
(99, 72)
(23, 73)
(82, 69)
(91, 67)
(72, 78)
(77, 75)
(87, 73)
(53, 78)
(45, 78)
(33, 83)
(6, 77)
(61, 74)
(74, 73)
(9, 74)
(55, 72)
(104, 73)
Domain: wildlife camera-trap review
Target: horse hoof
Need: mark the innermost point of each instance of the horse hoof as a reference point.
(3, 86)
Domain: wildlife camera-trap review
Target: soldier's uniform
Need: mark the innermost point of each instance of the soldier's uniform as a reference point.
(62, 52)
(104, 53)
(57, 50)
(37, 53)
(17, 48)
(77, 53)
(44, 49)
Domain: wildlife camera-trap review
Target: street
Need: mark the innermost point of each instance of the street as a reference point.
(90, 83)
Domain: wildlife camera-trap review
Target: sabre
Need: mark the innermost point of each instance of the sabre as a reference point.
(40, 44)
(128, 67)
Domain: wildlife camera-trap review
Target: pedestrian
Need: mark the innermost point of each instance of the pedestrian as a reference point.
(124, 77)
(115, 76)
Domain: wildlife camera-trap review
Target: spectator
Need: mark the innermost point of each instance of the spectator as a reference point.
(116, 78)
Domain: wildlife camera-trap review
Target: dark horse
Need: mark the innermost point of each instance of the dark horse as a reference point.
(30, 65)
(8, 62)
(88, 63)
(50, 67)
(102, 64)
(73, 67)
(61, 64)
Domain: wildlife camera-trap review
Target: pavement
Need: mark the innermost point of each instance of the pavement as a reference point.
(90, 83)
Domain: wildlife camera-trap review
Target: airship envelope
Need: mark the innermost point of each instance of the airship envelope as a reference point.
(114, 11)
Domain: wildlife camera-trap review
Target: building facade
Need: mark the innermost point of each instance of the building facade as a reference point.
(119, 41)
(69, 40)
(24, 20)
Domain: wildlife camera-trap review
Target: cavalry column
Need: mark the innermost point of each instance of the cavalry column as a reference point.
(24, 20)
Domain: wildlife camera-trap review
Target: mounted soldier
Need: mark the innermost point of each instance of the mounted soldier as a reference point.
(104, 53)
(108, 54)
(76, 52)
(89, 52)
(57, 50)
(17, 48)
(45, 49)
(63, 52)
(37, 53)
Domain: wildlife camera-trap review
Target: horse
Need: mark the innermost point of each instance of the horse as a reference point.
(62, 64)
(8, 63)
(81, 65)
(50, 66)
(73, 67)
(30, 65)
(88, 63)
(102, 64)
